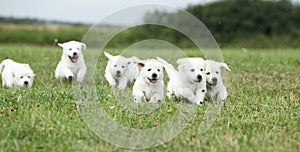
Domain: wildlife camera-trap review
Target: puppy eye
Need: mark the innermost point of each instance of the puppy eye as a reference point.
(193, 70)
(29, 77)
(158, 70)
(201, 69)
(149, 69)
(70, 49)
(217, 72)
(21, 77)
(77, 48)
(208, 73)
(115, 65)
(123, 66)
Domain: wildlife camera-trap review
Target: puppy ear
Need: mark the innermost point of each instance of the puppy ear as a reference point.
(60, 44)
(207, 66)
(108, 55)
(162, 61)
(26, 66)
(181, 62)
(134, 59)
(141, 65)
(83, 46)
(224, 65)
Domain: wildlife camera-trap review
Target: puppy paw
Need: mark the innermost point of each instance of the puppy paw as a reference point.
(200, 103)
(137, 100)
(70, 78)
(80, 79)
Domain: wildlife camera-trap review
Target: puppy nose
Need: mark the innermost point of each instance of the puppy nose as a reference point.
(26, 82)
(214, 79)
(118, 72)
(199, 77)
(75, 54)
(154, 75)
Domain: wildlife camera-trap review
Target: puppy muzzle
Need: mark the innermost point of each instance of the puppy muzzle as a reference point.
(118, 73)
(214, 82)
(74, 58)
(152, 80)
(199, 79)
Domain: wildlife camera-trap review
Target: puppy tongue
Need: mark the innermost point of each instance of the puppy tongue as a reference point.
(153, 80)
(73, 59)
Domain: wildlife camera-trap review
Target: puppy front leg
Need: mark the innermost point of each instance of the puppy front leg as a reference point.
(123, 83)
(186, 94)
(110, 79)
(222, 95)
(169, 91)
(8, 83)
(137, 94)
(200, 95)
(81, 74)
(156, 98)
(68, 74)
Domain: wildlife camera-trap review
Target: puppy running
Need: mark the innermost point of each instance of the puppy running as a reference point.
(16, 74)
(121, 71)
(71, 65)
(149, 84)
(215, 87)
(188, 82)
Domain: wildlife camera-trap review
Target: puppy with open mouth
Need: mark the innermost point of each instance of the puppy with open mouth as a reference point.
(72, 65)
(215, 87)
(121, 71)
(149, 84)
(16, 74)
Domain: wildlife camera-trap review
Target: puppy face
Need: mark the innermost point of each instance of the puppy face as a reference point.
(72, 50)
(23, 77)
(117, 64)
(192, 68)
(151, 71)
(214, 72)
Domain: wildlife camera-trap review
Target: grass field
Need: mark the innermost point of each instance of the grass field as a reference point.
(262, 112)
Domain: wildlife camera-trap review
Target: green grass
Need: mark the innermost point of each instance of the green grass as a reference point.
(262, 112)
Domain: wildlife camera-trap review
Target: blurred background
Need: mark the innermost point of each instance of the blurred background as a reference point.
(233, 23)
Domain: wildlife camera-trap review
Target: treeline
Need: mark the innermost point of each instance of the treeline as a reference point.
(256, 21)
(40, 34)
(13, 20)
(233, 23)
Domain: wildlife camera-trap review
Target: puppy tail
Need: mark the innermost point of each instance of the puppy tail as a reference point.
(171, 71)
(2, 65)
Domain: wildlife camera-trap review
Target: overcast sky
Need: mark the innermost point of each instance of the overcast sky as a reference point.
(87, 11)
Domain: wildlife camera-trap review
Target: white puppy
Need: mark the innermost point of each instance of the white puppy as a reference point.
(192, 75)
(174, 86)
(14, 73)
(149, 84)
(121, 71)
(72, 65)
(215, 87)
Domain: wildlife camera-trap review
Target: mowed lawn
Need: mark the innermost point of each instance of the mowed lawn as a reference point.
(262, 112)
